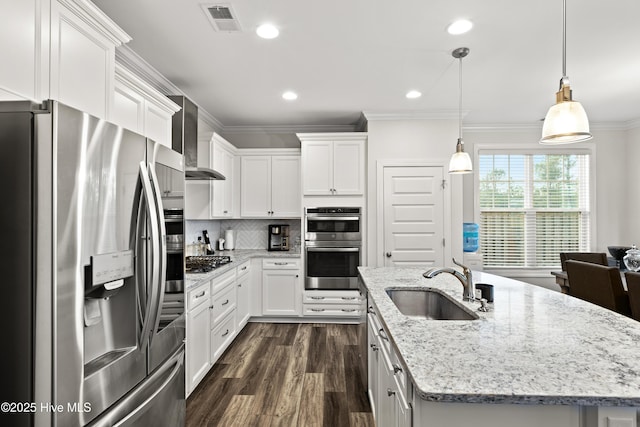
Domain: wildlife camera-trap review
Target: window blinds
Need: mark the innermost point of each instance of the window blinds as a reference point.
(532, 207)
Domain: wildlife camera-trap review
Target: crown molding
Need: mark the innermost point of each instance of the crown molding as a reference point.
(146, 72)
(537, 126)
(413, 115)
(279, 129)
(96, 18)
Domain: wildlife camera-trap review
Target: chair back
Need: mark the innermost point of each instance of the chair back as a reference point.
(599, 258)
(598, 284)
(633, 290)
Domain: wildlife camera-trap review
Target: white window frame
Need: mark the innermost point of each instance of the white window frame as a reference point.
(528, 148)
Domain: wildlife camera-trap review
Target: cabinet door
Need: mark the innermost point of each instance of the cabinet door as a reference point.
(386, 411)
(24, 45)
(128, 107)
(243, 300)
(317, 168)
(255, 184)
(348, 167)
(198, 345)
(373, 362)
(157, 124)
(222, 198)
(285, 186)
(82, 62)
(281, 294)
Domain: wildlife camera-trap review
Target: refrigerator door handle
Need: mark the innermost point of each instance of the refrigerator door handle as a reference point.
(151, 308)
(162, 241)
(126, 410)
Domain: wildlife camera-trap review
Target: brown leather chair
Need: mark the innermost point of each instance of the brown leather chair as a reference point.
(633, 290)
(598, 284)
(599, 258)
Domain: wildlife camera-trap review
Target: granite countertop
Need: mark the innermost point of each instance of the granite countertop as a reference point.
(537, 346)
(238, 256)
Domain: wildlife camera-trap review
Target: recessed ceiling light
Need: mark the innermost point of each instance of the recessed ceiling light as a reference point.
(267, 31)
(290, 96)
(460, 26)
(413, 94)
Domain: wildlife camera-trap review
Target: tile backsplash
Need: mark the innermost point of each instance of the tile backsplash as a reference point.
(249, 233)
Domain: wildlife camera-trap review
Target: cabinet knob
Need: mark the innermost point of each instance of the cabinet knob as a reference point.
(390, 392)
(388, 254)
(396, 369)
(297, 275)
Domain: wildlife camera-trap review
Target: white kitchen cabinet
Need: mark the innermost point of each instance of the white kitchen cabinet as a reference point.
(222, 155)
(82, 56)
(333, 303)
(141, 108)
(24, 43)
(270, 186)
(333, 164)
(243, 281)
(388, 383)
(198, 336)
(281, 287)
(223, 313)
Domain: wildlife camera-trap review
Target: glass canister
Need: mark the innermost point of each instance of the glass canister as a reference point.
(632, 259)
(470, 236)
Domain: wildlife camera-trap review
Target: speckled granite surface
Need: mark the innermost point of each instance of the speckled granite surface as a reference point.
(238, 256)
(536, 347)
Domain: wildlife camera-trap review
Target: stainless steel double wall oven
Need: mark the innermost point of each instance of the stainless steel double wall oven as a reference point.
(333, 244)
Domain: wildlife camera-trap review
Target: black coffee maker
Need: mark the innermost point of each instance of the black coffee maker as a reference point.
(278, 237)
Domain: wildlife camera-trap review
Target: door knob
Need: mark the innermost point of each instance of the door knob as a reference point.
(388, 254)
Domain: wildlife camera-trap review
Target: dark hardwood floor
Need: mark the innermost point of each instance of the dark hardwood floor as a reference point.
(284, 375)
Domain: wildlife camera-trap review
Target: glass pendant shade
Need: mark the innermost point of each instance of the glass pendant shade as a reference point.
(460, 161)
(566, 122)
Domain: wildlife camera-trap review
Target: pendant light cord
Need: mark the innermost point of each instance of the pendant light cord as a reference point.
(564, 38)
(460, 103)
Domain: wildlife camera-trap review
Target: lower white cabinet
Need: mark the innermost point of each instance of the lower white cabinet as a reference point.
(333, 303)
(223, 312)
(281, 287)
(388, 388)
(243, 286)
(198, 336)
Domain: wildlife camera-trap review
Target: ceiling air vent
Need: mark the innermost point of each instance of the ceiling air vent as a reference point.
(222, 17)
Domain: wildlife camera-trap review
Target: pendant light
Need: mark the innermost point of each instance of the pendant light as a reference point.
(566, 122)
(460, 161)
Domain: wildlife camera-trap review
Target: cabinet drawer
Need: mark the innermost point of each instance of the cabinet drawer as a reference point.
(243, 269)
(333, 310)
(197, 296)
(223, 281)
(280, 264)
(222, 335)
(223, 302)
(333, 297)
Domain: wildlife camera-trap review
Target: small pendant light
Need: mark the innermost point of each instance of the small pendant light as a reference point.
(460, 161)
(566, 122)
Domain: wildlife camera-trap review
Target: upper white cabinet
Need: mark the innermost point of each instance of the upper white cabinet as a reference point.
(83, 42)
(141, 108)
(222, 155)
(270, 186)
(333, 164)
(62, 50)
(24, 43)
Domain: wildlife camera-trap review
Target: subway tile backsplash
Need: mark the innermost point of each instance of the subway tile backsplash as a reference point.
(249, 233)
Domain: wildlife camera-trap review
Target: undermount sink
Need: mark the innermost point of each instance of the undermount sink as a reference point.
(428, 304)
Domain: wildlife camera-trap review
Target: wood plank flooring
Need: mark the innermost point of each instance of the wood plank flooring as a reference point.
(277, 374)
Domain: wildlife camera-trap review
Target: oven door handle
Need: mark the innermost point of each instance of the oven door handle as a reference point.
(314, 249)
(333, 218)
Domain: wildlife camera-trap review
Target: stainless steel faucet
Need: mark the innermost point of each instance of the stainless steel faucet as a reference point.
(469, 291)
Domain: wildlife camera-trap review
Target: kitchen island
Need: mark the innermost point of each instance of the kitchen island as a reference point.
(538, 354)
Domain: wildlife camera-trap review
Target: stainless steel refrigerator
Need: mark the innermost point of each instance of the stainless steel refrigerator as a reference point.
(88, 338)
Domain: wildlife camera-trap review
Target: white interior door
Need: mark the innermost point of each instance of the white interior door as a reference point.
(413, 215)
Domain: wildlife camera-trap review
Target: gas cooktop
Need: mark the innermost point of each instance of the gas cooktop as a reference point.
(205, 263)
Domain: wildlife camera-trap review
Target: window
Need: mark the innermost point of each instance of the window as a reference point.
(532, 207)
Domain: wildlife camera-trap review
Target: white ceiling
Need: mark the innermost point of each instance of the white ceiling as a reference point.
(349, 56)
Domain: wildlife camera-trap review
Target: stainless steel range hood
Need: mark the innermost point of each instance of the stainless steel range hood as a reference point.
(184, 139)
